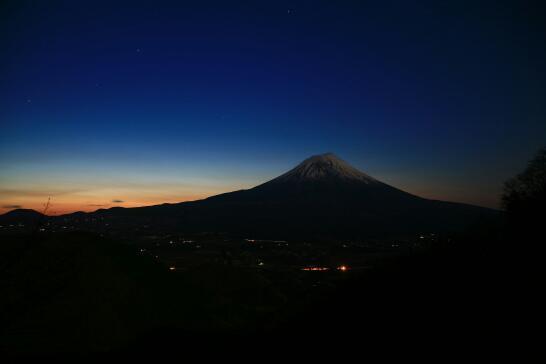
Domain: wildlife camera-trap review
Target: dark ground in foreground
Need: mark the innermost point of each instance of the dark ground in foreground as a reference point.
(78, 293)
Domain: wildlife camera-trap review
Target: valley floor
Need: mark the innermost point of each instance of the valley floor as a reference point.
(80, 293)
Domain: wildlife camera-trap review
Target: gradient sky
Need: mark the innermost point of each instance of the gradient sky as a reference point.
(143, 103)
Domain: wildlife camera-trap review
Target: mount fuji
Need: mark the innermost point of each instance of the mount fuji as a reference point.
(323, 196)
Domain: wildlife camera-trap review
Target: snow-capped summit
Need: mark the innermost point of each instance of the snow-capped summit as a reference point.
(327, 167)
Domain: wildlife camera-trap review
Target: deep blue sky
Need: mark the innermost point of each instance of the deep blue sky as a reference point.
(161, 102)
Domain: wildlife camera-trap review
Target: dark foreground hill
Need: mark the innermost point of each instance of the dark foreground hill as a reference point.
(79, 294)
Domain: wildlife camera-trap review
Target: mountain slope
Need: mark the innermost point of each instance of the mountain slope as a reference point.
(324, 196)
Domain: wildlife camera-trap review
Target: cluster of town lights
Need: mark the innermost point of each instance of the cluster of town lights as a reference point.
(315, 268)
(342, 268)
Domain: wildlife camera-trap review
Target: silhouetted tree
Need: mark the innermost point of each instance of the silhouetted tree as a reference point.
(524, 197)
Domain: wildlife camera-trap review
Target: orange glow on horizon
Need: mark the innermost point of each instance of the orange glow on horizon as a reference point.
(65, 204)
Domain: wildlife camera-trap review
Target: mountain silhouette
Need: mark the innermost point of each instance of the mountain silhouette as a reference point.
(323, 196)
(21, 216)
